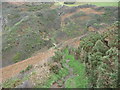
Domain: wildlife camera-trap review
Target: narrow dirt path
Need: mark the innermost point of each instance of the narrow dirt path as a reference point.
(14, 69)
(85, 10)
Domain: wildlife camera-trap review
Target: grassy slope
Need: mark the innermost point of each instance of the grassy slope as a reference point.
(105, 3)
(79, 70)
(93, 3)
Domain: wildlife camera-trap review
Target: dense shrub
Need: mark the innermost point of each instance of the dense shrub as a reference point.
(54, 69)
(57, 57)
(100, 47)
(88, 42)
(108, 69)
(100, 58)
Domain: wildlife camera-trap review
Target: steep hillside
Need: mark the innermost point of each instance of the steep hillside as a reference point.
(59, 45)
(30, 27)
(94, 62)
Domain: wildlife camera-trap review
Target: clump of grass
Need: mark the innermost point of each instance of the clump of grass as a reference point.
(79, 81)
(27, 69)
(16, 58)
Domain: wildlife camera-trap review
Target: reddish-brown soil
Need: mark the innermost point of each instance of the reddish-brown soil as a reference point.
(9, 71)
(12, 70)
(84, 18)
(17, 3)
(86, 10)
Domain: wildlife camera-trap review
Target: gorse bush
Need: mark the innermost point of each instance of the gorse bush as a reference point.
(100, 58)
(100, 47)
(88, 42)
(108, 69)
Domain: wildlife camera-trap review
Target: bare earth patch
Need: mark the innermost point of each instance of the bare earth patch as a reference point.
(86, 10)
(17, 3)
(12, 70)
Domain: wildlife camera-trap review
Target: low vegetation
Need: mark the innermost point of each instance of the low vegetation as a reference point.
(65, 69)
(73, 4)
(94, 64)
(27, 69)
(17, 57)
(14, 82)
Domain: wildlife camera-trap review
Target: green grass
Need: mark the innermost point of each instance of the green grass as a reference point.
(54, 78)
(105, 3)
(93, 3)
(80, 81)
(76, 82)
(16, 58)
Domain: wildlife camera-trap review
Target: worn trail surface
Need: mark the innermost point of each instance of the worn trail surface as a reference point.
(12, 70)
(85, 10)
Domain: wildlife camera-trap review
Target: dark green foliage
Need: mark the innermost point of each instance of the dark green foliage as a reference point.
(114, 41)
(100, 58)
(113, 51)
(54, 69)
(94, 58)
(88, 42)
(100, 47)
(93, 61)
(108, 70)
(58, 56)
(69, 2)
